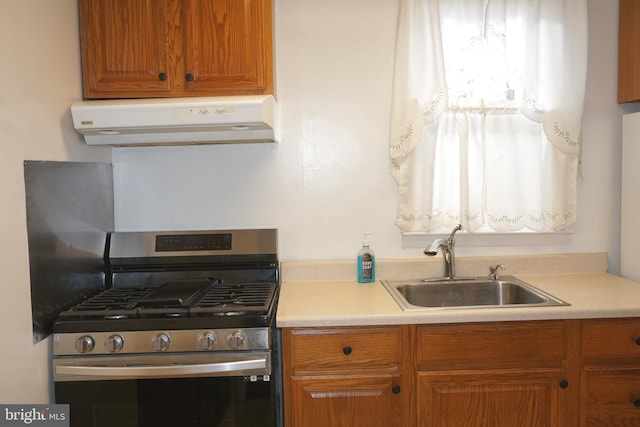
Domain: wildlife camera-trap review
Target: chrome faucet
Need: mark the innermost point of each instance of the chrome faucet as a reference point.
(448, 251)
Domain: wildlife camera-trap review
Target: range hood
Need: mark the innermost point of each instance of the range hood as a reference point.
(176, 121)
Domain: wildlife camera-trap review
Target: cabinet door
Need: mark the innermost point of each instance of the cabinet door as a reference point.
(610, 397)
(508, 398)
(366, 401)
(125, 53)
(628, 51)
(228, 46)
(609, 341)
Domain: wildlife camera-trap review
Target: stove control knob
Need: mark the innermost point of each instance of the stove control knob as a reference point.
(114, 343)
(160, 342)
(85, 344)
(236, 339)
(208, 341)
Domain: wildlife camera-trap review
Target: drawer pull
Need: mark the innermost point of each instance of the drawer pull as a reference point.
(396, 389)
(636, 403)
(638, 341)
(162, 77)
(347, 350)
(564, 384)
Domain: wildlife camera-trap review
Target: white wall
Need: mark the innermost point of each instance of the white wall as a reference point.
(39, 78)
(327, 181)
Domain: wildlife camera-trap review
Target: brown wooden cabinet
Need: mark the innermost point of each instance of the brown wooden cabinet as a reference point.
(491, 398)
(610, 382)
(500, 374)
(494, 374)
(172, 48)
(555, 373)
(351, 377)
(629, 51)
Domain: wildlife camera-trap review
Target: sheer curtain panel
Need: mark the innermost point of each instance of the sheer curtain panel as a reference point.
(487, 112)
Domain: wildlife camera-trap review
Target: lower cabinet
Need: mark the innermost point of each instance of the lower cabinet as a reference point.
(522, 398)
(610, 380)
(354, 401)
(498, 374)
(346, 377)
(555, 373)
(610, 397)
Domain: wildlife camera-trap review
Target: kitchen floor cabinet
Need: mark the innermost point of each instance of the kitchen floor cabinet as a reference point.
(494, 374)
(173, 48)
(499, 398)
(349, 377)
(610, 382)
(500, 374)
(349, 401)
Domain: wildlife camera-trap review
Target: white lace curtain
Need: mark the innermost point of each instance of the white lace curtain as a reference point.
(486, 113)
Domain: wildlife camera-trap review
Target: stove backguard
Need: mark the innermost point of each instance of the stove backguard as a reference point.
(69, 208)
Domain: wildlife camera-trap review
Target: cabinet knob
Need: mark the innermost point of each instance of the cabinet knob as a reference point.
(188, 77)
(347, 349)
(564, 384)
(638, 341)
(162, 77)
(396, 389)
(636, 403)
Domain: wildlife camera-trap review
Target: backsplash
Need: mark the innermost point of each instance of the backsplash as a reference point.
(393, 269)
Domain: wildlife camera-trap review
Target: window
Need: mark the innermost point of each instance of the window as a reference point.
(486, 114)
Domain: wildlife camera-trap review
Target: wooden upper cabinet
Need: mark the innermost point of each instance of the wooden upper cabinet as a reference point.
(174, 48)
(629, 51)
(228, 46)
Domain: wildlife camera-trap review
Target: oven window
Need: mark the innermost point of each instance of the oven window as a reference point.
(184, 402)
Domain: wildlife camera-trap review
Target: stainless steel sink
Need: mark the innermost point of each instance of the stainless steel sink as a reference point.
(468, 293)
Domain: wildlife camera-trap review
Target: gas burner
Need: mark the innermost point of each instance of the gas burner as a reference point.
(176, 299)
(182, 280)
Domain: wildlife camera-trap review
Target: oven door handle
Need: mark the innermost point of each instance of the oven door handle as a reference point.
(176, 370)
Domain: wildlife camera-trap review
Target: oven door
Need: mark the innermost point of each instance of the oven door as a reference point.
(186, 390)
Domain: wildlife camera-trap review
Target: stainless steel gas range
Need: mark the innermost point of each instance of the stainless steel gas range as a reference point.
(183, 334)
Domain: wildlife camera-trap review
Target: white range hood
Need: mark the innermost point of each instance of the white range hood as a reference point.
(176, 121)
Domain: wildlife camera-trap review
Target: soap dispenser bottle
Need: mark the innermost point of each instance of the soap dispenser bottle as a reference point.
(366, 262)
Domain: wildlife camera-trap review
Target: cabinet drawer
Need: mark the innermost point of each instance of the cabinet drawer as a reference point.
(492, 345)
(610, 339)
(610, 397)
(343, 349)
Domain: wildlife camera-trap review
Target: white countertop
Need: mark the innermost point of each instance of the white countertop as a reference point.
(348, 303)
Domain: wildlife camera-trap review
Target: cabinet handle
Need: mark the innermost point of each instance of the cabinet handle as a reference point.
(396, 389)
(347, 350)
(564, 384)
(638, 341)
(636, 403)
(162, 77)
(188, 77)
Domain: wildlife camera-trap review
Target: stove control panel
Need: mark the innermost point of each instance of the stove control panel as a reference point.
(198, 340)
(193, 242)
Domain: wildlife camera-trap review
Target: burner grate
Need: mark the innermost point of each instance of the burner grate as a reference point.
(236, 297)
(211, 298)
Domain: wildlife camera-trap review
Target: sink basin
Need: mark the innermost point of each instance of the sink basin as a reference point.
(468, 293)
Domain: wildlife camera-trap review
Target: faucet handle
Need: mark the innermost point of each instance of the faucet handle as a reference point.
(455, 229)
(493, 271)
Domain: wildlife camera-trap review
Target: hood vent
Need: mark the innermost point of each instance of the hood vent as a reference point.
(176, 121)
